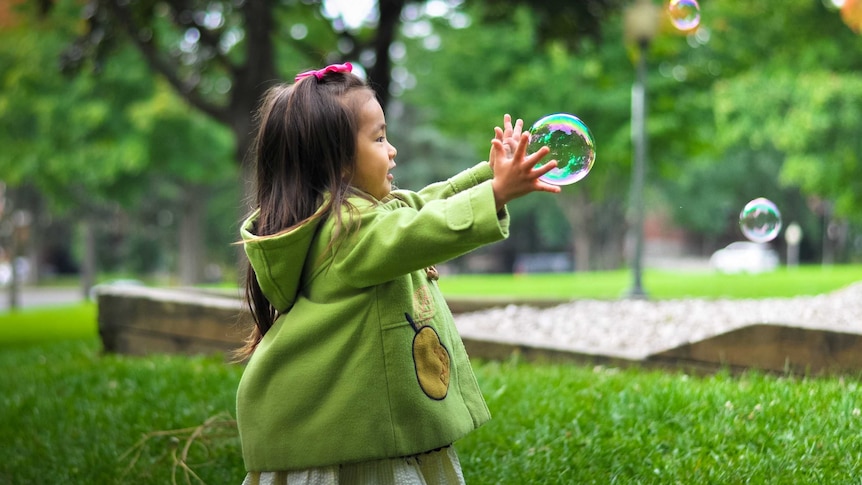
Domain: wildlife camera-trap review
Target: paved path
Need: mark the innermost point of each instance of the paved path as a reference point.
(36, 297)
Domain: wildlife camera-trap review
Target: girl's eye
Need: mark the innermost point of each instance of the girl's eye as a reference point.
(381, 139)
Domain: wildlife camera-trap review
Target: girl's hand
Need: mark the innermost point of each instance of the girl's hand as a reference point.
(515, 175)
(508, 135)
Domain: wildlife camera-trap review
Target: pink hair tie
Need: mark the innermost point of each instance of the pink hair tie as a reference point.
(346, 67)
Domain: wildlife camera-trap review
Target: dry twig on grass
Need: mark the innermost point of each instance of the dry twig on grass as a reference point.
(220, 426)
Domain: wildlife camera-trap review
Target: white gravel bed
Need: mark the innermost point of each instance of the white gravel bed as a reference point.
(634, 329)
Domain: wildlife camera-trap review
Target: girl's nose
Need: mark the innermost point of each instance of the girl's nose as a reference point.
(392, 151)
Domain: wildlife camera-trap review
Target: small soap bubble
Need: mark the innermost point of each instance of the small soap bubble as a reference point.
(571, 145)
(760, 220)
(684, 14)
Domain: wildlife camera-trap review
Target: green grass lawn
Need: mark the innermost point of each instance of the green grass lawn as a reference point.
(784, 282)
(56, 323)
(69, 414)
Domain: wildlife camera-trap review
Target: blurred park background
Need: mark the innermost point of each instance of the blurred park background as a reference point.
(124, 124)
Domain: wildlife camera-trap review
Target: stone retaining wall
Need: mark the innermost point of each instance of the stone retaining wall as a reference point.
(143, 320)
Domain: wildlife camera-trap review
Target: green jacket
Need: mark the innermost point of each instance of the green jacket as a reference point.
(365, 361)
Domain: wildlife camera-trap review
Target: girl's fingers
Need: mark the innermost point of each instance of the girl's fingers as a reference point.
(545, 168)
(519, 127)
(541, 184)
(537, 157)
(521, 151)
(546, 187)
(497, 146)
(508, 144)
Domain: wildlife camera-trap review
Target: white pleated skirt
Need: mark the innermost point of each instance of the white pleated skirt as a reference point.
(439, 467)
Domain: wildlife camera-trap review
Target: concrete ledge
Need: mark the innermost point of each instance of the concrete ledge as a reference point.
(142, 320)
(774, 348)
(499, 350)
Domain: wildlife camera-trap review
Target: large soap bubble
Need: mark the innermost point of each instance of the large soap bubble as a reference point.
(571, 145)
(760, 220)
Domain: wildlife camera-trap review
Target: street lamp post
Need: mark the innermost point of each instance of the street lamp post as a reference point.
(641, 26)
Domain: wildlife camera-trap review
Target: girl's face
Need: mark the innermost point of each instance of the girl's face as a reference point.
(375, 156)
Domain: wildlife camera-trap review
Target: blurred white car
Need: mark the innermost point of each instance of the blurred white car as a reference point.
(744, 257)
(5, 273)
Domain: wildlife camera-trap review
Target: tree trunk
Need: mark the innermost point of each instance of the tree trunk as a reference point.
(191, 235)
(609, 234)
(578, 212)
(248, 202)
(387, 26)
(14, 282)
(88, 263)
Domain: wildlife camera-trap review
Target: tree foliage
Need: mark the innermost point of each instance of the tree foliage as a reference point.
(813, 118)
(220, 56)
(105, 144)
(70, 136)
(782, 86)
(759, 101)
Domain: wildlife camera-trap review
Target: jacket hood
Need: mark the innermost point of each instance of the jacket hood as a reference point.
(278, 260)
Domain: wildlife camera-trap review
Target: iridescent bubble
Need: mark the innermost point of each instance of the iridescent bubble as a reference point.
(571, 145)
(760, 220)
(684, 14)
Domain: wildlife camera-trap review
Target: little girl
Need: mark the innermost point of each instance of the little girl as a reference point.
(356, 372)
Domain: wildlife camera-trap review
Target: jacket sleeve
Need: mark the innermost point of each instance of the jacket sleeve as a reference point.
(462, 181)
(396, 239)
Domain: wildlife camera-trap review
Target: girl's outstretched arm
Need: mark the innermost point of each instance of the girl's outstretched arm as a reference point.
(516, 176)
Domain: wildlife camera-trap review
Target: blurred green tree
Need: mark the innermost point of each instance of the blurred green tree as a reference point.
(66, 136)
(220, 56)
(98, 146)
(781, 86)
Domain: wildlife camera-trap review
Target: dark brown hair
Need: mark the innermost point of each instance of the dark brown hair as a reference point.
(305, 148)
